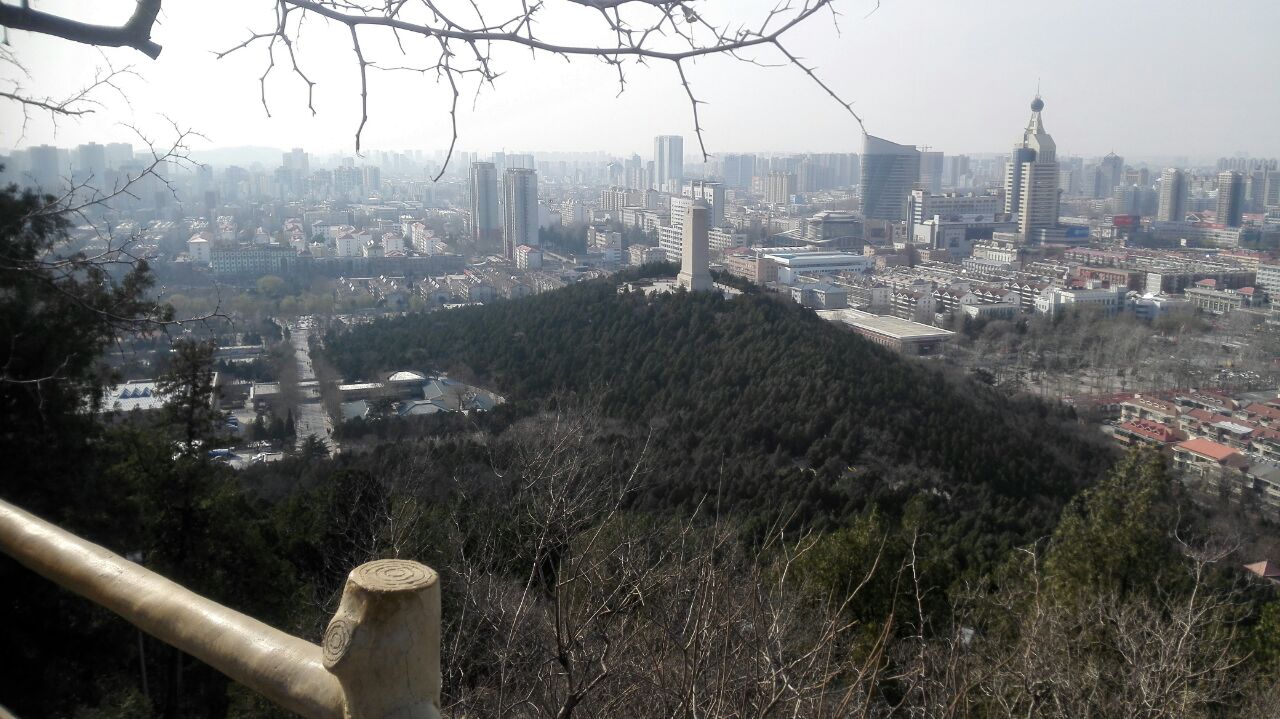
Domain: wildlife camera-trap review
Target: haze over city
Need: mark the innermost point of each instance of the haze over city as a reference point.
(1135, 77)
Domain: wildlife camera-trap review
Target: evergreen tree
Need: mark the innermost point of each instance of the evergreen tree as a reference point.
(189, 393)
(1116, 537)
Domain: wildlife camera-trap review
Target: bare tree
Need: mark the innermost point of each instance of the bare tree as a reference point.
(1021, 651)
(85, 101)
(454, 42)
(575, 606)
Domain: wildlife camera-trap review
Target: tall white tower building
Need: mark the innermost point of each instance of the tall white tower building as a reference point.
(519, 209)
(1032, 178)
(713, 194)
(486, 223)
(694, 275)
(668, 163)
(1173, 196)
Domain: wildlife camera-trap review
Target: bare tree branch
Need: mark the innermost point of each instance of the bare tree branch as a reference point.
(135, 33)
(82, 102)
(641, 31)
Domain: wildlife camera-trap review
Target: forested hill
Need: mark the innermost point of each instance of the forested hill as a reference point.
(764, 402)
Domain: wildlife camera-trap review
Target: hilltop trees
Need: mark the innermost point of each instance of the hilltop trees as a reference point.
(1115, 539)
(765, 407)
(59, 309)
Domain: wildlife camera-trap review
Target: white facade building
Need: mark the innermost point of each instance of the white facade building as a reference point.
(347, 245)
(1031, 178)
(528, 258)
(713, 194)
(1059, 299)
(198, 251)
(792, 263)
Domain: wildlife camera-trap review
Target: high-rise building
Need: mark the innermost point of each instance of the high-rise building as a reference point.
(889, 172)
(955, 171)
(1231, 198)
(295, 170)
(694, 275)
(1109, 174)
(1013, 178)
(519, 208)
(1032, 177)
(91, 162)
(371, 179)
(738, 170)
(668, 163)
(1271, 196)
(297, 162)
(1256, 191)
(44, 168)
(637, 174)
(1173, 196)
(713, 194)
(119, 154)
(931, 164)
(486, 223)
(779, 187)
(523, 161)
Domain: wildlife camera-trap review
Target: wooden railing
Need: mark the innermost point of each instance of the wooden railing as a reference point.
(380, 657)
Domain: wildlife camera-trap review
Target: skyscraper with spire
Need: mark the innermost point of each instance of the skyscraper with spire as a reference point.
(1031, 179)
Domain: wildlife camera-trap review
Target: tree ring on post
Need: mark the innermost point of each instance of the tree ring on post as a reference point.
(336, 638)
(393, 575)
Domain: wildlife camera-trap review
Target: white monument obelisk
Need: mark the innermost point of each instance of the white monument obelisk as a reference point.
(694, 275)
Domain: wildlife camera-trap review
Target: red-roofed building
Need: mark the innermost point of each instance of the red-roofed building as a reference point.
(1207, 399)
(1141, 407)
(1262, 413)
(1146, 431)
(1264, 443)
(1208, 460)
(1197, 421)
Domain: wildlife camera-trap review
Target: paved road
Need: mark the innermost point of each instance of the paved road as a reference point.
(309, 417)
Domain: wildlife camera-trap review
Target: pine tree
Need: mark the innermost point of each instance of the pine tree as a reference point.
(1115, 538)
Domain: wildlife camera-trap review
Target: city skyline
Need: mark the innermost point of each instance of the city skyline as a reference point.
(910, 104)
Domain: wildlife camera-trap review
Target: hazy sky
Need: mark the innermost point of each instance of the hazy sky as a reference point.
(1145, 78)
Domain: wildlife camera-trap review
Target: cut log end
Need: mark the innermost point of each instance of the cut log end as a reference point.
(393, 575)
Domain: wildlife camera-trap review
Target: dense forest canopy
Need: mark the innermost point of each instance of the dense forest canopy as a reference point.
(763, 406)
(728, 507)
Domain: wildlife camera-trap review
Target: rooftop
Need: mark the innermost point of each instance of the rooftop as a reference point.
(136, 394)
(407, 376)
(1206, 448)
(1153, 430)
(1265, 569)
(894, 327)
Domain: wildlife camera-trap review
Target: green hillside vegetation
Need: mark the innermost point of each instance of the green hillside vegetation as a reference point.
(688, 507)
(764, 407)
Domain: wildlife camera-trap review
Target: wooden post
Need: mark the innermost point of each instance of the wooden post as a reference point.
(381, 653)
(383, 644)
